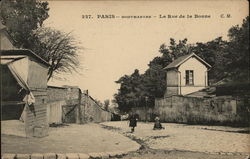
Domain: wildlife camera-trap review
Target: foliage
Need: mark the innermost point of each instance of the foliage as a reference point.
(99, 102)
(106, 104)
(23, 20)
(229, 60)
(130, 91)
(22, 17)
(213, 52)
(140, 90)
(238, 52)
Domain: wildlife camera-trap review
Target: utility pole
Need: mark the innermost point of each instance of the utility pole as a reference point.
(79, 113)
(86, 104)
(146, 114)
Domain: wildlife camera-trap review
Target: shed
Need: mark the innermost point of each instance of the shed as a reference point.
(23, 89)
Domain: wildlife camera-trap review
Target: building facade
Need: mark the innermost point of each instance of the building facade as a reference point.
(186, 74)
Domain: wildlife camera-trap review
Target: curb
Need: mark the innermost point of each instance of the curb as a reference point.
(94, 155)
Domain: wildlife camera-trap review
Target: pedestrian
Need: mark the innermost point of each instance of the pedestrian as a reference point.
(132, 121)
(157, 125)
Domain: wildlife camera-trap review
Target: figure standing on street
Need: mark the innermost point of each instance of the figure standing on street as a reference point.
(132, 122)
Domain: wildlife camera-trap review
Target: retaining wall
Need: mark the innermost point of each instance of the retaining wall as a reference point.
(91, 111)
(183, 109)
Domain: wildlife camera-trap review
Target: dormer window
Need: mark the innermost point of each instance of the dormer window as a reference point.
(189, 77)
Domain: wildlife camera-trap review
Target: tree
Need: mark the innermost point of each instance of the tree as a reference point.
(106, 104)
(22, 17)
(180, 49)
(229, 60)
(139, 90)
(58, 48)
(213, 52)
(238, 52)
(131, 91)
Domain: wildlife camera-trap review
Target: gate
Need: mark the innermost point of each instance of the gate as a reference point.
(54, 112)
(69, 113)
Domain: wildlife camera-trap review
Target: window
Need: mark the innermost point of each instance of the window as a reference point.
(189, 77)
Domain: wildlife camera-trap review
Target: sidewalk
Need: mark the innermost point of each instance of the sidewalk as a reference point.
(207, 139)
(86, 139)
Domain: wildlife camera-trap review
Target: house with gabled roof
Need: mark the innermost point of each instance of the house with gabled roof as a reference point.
(186, 74)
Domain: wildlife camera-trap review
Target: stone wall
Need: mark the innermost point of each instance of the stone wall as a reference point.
(91, 111)
(182, 109)
(67, 99)
(77, 107)
(63, 93)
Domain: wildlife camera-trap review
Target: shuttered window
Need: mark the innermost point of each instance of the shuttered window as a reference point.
(189, 77)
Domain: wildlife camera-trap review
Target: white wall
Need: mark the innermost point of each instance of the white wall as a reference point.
(54, 112)
(200, 75)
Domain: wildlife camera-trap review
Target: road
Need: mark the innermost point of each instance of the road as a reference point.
(176, 141)
(71, 138)
(186, 141)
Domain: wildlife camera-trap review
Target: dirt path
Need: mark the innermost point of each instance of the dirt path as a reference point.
(73, 138)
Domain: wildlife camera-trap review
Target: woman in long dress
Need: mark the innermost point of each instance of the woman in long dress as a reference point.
(132, 122)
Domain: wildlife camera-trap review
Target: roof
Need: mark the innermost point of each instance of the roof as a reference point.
(63, 87)
(8, 59)
(176, 63)
(17, 51)
(23, 52)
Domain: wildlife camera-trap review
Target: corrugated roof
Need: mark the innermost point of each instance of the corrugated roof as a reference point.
(8, 59)
(176, 63)
(24, 52)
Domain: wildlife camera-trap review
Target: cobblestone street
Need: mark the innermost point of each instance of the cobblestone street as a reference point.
(186, 140)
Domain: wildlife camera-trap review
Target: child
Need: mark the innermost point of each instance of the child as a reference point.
(157, 124)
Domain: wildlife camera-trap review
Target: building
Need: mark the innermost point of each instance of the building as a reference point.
(186, 74)
(23, 88)
(68, 104)
(63, 104)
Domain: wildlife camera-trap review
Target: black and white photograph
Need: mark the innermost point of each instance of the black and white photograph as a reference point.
(131, 79)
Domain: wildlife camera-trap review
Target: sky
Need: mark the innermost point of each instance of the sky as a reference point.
(114, 47)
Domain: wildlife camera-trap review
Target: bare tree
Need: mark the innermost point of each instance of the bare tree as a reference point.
(58, 48)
